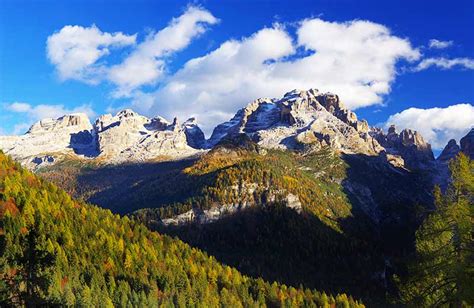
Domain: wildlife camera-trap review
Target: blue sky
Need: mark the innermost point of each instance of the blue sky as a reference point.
(216, 56)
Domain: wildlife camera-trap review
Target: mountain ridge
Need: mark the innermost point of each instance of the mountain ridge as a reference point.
(300, 120)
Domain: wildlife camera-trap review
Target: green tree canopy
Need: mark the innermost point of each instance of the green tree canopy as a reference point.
(443, 272)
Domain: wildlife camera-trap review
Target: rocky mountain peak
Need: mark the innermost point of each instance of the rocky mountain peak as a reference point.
(126, 113)
(392, 130)
(300, 118)
(450, 151)
(411, 137)
(194, 135)
(408, 144)
(175, 125)
(331, 102)
(467, 144)
(71, 122)
(127, 136)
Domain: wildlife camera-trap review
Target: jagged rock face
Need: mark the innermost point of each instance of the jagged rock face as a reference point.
(408, 144)
(129, 136)
(467, 144)
(124, 137)
(70, 134)
(72, 122)
(215, 213)
(442, 177)
(300, 118)
(258, 115)
(194, 135)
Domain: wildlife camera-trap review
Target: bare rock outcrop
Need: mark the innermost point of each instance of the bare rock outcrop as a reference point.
(301, 118)
(125, 137)
(450, 151)
(49, 139)
(408, 144)
(194, 135)
(129, 136)
(467, 144)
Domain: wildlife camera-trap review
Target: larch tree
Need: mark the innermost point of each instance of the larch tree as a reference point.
(443, 272)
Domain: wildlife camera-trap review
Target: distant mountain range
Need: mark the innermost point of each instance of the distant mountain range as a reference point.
(296, 189)
(299, 120)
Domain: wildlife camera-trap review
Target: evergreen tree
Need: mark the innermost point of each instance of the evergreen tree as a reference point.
(443, 272)
(34, 269)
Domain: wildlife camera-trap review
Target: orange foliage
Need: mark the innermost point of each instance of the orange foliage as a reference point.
(9, 206)
(64, 282)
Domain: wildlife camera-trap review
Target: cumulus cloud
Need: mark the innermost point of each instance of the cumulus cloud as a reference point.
(42, 111)
(437, 44)
(145, 64)
(77, 51)
(444, 63)
(355, 59)
(74, 50)
(436, 125)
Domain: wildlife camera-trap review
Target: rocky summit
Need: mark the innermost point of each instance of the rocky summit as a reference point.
(125, 137)
(312, 120)
(300, 120)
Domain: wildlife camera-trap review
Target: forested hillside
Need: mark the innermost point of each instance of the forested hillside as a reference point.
(332, 242)
(56, 250)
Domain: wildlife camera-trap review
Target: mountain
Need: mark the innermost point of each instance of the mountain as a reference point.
(55, 250)
(127, 136)
(450, 151)
(300, 120)
(467, 144)
(330, 216)
(296, 190)
(452, 148)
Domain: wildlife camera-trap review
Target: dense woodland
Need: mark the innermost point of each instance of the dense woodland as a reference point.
(331, 245)
(322, 247)
(55, 250)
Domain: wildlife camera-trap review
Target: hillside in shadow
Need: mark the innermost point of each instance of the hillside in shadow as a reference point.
(127, 187)
(358, 220)
(277, 243)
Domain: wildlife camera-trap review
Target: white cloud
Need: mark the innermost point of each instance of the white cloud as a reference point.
(354, 59)
(19, 107)
(146, 65)
(42, 111)
(437, 44)
(74, 51)
(20, 128)
(444, 63)
(436, 125)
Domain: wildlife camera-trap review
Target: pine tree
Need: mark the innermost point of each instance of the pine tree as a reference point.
(35, 264)
(443, 272)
